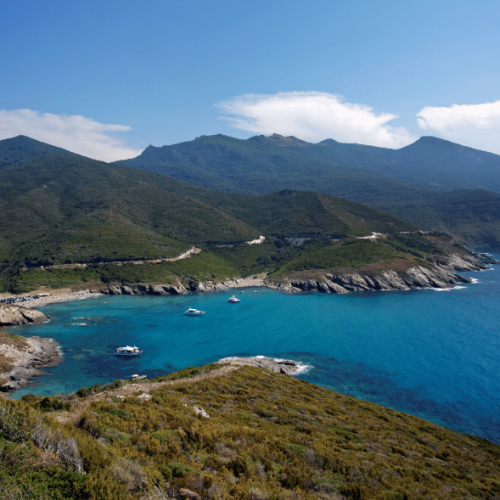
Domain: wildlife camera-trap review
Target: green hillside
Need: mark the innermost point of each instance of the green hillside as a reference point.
(22, 149)
(408, 183)
(68, 209)
(60, 210)
(259, 166)
(267, 437)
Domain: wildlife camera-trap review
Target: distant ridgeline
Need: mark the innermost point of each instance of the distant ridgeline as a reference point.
(435, 184)
(61, 209)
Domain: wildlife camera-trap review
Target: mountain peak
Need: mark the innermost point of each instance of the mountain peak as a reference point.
(280, 140)
(21, 149)
(328, 142)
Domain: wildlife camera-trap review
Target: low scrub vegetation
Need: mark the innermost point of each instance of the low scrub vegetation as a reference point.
(278, 256)
(269, 436)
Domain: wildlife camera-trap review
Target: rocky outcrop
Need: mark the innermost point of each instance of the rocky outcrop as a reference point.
(141, 289)
(167, 289)
(440, 275)
(286, 366)
(14, 316)
(469, 262)
(27, 361)
(414, 278)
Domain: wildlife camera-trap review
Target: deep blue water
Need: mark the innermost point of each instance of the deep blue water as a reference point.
(434, 354)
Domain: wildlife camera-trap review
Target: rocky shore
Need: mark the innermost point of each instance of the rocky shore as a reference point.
(27, 360)
(441, 275)
(285, 366)
(27, 356)
(15, 316)
(183, 289)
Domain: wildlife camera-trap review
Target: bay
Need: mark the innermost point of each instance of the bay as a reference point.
(434, 354)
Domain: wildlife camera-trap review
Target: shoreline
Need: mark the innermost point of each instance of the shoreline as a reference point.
(28, 362)
(46, 352)
(441, 276)
(55, 296)
(276, 365)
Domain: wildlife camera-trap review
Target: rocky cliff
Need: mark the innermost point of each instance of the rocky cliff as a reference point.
(24, 361)
(177, 289)
(440, 275)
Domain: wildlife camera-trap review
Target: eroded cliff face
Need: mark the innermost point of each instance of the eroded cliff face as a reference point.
(166, 289)
(24, 361)
(440, 275)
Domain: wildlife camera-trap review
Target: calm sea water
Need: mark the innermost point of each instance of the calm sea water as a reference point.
(434, 354)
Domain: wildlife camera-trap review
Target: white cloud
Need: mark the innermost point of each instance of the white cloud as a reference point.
(313, 117)
(474, 125)
(72, 132)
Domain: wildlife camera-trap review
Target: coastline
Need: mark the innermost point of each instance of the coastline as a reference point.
(284, 366)
(54, 296)
(46, 352)
(27, 361)
(437, 276)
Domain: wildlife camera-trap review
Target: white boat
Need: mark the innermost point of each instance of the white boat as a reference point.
(233, 299)
(194, 312)
(135, 376)
(128, 351)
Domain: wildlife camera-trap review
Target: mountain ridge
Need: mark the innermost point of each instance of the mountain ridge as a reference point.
(384, 179)
(68, 209)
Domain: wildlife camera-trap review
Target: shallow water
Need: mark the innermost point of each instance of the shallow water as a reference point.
(429, 353)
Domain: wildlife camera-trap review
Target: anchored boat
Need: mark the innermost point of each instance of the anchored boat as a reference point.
(194, 312)
(128, 351)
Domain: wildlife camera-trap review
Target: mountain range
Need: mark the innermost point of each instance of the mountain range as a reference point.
(62, 209)
(432, 183)
(58, 208)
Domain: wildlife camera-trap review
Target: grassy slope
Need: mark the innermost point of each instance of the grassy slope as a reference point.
(269, 436)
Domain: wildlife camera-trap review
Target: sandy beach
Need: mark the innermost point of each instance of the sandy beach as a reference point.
(47, 296)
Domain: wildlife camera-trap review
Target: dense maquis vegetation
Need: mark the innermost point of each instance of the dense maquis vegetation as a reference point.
(268, 436)
(64, 209)
(408, 183)
(21, 149)
(277, 257)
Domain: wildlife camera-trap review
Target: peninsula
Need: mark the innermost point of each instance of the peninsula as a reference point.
(229, 431)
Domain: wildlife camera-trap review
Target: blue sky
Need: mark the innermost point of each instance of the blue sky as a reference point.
(108, 78)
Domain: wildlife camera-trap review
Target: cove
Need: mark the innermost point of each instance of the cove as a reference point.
(430, 353)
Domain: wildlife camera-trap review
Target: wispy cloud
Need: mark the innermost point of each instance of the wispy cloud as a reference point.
(474, 125)
(72, 132)
(314, 116)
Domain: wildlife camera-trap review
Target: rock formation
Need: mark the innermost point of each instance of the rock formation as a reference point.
(14, 316)
(286, 366)
(27, 361)
(440, 275)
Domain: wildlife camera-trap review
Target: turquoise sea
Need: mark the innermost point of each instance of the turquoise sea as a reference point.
(434, 354)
